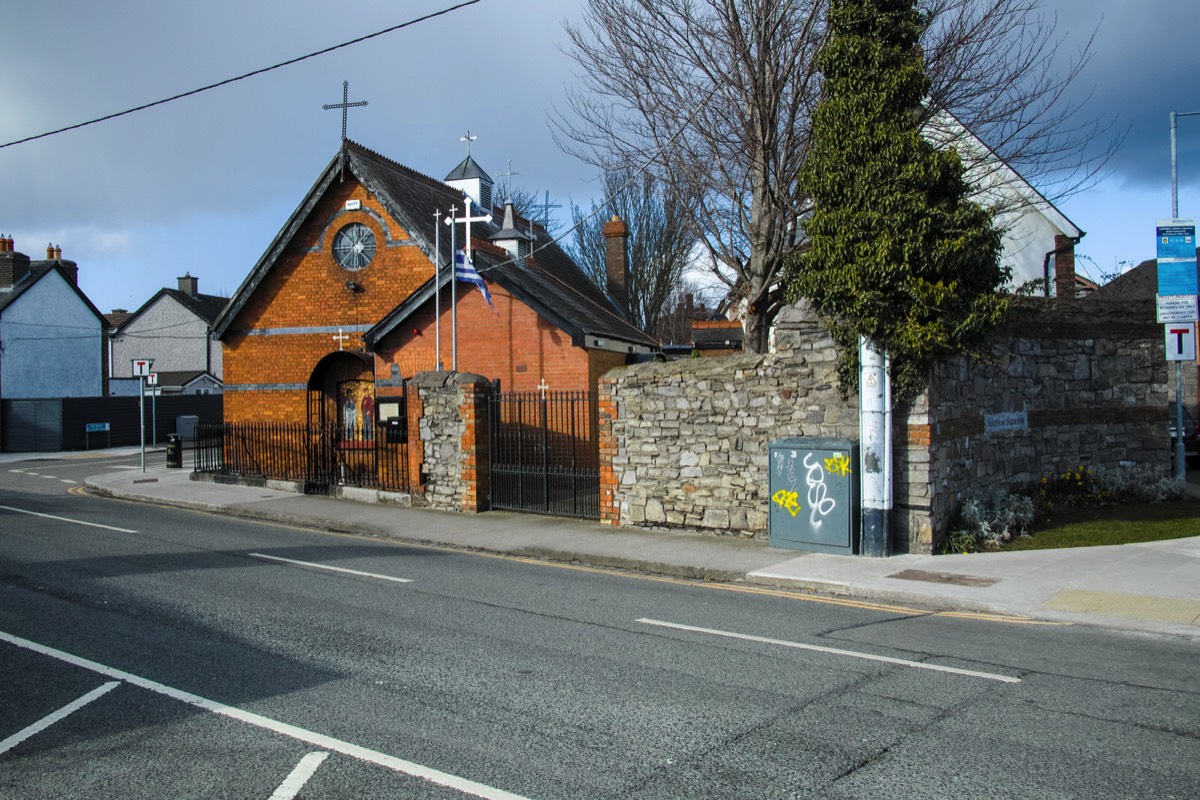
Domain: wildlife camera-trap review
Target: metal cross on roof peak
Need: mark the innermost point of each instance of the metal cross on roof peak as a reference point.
(468, 139)
(508, 176)
(344, 105)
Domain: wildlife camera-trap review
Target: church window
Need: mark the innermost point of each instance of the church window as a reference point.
(354, 247)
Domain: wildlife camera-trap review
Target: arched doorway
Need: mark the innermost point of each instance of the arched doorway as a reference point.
(341, 421)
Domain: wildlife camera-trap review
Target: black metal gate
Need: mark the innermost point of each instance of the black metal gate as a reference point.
(544, 453)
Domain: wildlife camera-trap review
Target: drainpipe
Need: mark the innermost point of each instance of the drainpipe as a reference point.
(875, 448)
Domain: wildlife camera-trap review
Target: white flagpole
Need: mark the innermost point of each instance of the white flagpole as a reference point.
(437, 285)
(451, 220)
(453, 289)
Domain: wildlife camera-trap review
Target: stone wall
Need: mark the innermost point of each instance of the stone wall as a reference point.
(689, 440)
(1065, 383)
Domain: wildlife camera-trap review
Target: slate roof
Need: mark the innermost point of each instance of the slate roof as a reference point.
(1139, 282)
(37, 271)
(467, 170)
(555, 286)
(205, 306)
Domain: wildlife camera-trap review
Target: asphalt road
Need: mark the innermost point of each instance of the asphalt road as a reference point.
(150, 652)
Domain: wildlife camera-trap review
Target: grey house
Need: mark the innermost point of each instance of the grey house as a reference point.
(51, 336)
(174, 329)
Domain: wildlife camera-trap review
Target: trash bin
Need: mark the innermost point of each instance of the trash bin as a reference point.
(814, 495)
(174, 451)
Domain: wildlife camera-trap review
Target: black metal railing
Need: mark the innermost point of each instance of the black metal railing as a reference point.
(320, 456)
(544, 453)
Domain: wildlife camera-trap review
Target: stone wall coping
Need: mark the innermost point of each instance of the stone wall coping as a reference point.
(438, 379)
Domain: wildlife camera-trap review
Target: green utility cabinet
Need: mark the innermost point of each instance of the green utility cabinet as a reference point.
(814, 495)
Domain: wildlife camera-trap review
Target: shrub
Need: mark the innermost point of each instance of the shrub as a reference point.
(988, 520)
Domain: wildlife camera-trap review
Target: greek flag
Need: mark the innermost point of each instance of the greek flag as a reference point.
(464, 270)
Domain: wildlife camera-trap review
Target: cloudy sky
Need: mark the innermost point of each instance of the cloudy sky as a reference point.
(202, 185)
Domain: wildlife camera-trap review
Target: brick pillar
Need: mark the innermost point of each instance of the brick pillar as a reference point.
(1064, 266)
(610, 509)
(415, 403)
(474, 466)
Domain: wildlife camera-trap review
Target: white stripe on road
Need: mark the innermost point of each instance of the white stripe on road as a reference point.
(67, 519)
(62, 713)
(64, 480)
(300, 775)
(282, 728)
(332, 569)
(834, 651)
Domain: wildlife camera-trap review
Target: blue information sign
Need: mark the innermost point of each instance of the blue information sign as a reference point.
(1177, 257)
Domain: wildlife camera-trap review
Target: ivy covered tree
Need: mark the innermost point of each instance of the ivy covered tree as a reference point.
(897, 253)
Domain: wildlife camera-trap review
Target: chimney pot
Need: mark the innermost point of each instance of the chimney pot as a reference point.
(57, 252)
(49, 252)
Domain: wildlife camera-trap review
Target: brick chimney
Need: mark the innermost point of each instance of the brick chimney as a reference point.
(13, 265)
(616, 261)
(1064, 266)
(189, 285)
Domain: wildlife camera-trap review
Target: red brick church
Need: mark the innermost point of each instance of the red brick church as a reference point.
(344, 306)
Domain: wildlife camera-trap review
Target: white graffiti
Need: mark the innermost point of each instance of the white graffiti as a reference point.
(819, 501)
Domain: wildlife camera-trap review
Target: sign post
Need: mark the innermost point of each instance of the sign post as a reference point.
(152, 382)
(141, 370)
(1178, 288)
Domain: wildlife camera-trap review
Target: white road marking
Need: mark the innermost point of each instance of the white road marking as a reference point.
(50, 477)
(18, 471)
(62, 713)
(332, 569)
(282, 728)
(300, 775)
(834, 651)
(66, 480)
(125, 466)
(68, 519)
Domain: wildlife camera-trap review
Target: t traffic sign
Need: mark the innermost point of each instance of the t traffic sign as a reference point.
(1180, 341)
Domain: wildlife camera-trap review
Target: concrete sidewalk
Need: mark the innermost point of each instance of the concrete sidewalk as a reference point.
(1153, 587)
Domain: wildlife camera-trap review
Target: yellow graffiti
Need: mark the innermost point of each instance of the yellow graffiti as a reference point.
(787, 500)
(839, 465)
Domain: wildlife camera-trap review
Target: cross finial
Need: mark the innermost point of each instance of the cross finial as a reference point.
(508, 176)
(468, 139)
(543, 387)
(344, 105)
(545, 207)
(341, 338)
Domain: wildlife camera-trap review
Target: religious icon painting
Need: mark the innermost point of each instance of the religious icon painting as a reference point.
(356, 403)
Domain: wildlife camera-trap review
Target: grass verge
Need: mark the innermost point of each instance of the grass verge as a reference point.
(1100, 525)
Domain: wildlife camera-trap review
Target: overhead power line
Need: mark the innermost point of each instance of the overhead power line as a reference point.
(228, 81)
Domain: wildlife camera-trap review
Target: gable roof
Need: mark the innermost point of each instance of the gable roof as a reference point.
(1139, 282)
(205, 306)
(991, 174)
(554, 285)
(39, 270)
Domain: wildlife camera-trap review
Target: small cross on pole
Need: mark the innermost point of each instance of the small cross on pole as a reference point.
(508, 176)
(341, 338)
(545, 207)
(344, 105)
(543, 387)
(468, 139)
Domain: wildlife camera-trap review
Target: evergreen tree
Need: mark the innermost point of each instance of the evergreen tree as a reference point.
(897, 253)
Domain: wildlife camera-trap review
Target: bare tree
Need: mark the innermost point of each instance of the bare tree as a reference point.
(716, 96)
(659, 245)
